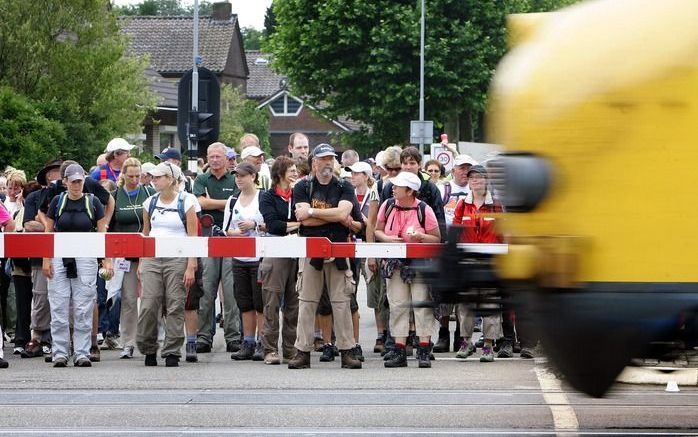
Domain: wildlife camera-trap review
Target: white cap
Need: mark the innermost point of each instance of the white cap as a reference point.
(379, 159)
(167, 169)
(407, 179)
(118, 144)
(360, 167)
(146, 167)
(464, 159)
(251, 151)
(345, 173)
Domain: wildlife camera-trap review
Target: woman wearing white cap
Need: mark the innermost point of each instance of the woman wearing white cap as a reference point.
(72, 282)
(404, 218)
(166, 281)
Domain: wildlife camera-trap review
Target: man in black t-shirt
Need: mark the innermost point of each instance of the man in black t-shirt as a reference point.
(322, 204)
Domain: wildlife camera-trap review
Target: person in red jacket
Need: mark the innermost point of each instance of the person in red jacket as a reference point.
(476, 213)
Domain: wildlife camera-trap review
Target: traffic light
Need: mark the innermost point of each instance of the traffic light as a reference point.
(200, 127)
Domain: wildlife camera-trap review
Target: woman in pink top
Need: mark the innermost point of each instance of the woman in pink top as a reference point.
(6, 225)
(404, 218)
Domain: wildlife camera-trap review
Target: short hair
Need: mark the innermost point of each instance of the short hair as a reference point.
(130, 162)
(442, 169)
(351, 155)
(411, 152)
(279, 169)
(248, 140)
(295, 135)
(217, 145)
(391, 157)
(16, 176)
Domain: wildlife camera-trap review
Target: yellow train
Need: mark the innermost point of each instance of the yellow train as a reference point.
(598, 104)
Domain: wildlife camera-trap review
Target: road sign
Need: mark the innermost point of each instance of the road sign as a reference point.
(421, 132)
(443, 155)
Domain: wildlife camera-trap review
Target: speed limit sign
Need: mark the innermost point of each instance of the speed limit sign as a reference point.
(443, 155)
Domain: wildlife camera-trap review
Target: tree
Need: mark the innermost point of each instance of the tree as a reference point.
(360, 58)
(251, 38)
(269, 21)
(27, 138)
(163, 7)
(240, 116)
(69, 59)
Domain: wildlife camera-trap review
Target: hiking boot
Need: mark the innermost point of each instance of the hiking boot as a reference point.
(83, 362)
(32, 349)
(258, 352)
(60, 362)
(327, 354)
(94, 354)
(487, 354)
(245, 353)
(466, 350)
(48, 352)
(232, 346)
(389, 355)
(18, 350)
(443, 344)
(4, 364)
(480, 343)
(379, 347)
(272, 358)
(398, 358)
(506, 350)
(151, 360)
(126, 353)
(358, 352)
(202, 348)
(526, 353)
(172, 361)
(423, 357)
(191, 353)
(349, 361)
(319, 344)
(300, 361)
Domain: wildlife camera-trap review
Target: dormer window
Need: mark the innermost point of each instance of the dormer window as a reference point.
(286, 106)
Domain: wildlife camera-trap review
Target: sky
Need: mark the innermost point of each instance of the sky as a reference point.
(250, 12)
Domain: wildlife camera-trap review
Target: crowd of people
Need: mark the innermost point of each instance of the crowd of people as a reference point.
(68, 309)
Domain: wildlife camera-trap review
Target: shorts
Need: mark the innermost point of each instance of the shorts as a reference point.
(246, 288)
(196, 291)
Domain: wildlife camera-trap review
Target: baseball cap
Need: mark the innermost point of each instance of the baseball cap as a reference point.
(360, 167)
(118, 144)
(322, 150)
(245, 168)
(464, 159)
(251, 151)
(167, 169)
(345, 173)
(146, 167)
(407, 179)
(478, 169)
(230, 153)
(170, 153)
(74, 172)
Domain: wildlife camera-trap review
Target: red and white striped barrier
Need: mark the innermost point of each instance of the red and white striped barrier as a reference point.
(113, 245)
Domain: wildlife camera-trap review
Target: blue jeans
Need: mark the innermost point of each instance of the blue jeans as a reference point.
(108, 318)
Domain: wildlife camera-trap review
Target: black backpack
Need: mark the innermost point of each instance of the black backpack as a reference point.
(421, 211)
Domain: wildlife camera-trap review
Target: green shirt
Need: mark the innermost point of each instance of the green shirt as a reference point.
(219, 189)
(128, 210)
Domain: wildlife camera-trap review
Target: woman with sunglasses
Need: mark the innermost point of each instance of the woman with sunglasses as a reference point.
(166, 281)
(435, 170)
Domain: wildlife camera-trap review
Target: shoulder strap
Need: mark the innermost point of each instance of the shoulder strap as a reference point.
(233, 201)
(153, 203)
(422, 214)
(89, 207)
(389, 206)
(180, 209)
(447, 192)
(62, 198)
(102, 172)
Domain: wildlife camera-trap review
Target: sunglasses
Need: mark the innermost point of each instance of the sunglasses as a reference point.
(393, 168)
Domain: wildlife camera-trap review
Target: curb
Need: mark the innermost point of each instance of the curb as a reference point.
(659, 375)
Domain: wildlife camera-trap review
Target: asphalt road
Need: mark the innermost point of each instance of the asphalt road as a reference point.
(218, 396)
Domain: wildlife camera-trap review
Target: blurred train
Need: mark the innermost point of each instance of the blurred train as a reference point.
(597, 106)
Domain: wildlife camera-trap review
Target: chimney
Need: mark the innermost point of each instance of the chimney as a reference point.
(222, 11)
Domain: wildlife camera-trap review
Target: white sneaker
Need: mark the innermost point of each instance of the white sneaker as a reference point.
(126, 353)
(18, 350)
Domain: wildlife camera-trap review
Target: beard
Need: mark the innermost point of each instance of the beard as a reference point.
(325, 172)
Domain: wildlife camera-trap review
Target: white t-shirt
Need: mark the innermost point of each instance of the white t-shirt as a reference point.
(457, 193)
(242, 213)
(11, 206)
(165, 221)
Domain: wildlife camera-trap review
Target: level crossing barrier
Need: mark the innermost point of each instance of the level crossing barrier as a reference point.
(130, 245)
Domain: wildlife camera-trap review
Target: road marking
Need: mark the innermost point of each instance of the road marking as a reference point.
(564, 417)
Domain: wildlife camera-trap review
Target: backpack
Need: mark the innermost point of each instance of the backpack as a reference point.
(180, 207)
(226, 226)
(421, 211)
(89, 207)
(447, 192)
(309, 186)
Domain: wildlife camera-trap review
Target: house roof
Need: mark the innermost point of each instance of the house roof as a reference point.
(263, 82)
(168, 41)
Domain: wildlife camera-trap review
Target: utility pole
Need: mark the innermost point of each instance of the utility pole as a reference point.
(193, 142)
(421, 77)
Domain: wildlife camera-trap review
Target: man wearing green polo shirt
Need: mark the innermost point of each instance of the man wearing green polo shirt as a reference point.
(212, 189)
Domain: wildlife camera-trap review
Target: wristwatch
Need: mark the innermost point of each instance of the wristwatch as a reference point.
(310, 212)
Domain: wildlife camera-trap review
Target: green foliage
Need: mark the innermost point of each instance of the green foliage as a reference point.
(240, 116)
(251, 38)
(27, 138)
(163, 8)
(269, 21)
(69, 59)
(361, 58)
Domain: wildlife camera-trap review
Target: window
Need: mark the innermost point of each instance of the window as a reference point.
(286, 106)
